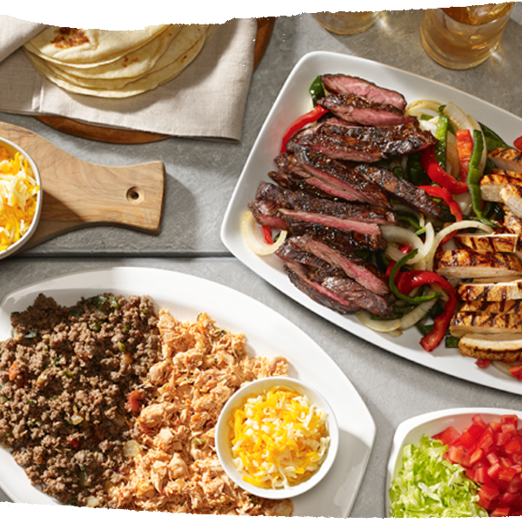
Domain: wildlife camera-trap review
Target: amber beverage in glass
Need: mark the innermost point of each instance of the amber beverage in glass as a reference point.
(463, 37)
(344, 22)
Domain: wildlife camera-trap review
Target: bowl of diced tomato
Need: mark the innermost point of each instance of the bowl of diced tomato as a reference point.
(20, 197)
(467, 459)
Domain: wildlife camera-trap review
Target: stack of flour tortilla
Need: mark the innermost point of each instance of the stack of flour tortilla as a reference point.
(115, 64)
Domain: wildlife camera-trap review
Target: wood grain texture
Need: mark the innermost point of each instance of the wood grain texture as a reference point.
(131, 137)
(77, 194)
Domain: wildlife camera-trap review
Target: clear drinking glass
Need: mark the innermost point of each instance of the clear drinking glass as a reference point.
(347, 22)
(463, 37)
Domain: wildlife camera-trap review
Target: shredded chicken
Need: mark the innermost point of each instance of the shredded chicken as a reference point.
(177, 469)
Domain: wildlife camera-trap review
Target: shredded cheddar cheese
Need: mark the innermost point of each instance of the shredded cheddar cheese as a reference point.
(18, 192)
(279, 439)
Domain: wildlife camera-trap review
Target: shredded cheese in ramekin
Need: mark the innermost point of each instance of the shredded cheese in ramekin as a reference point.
(279, 439)
(18, 193)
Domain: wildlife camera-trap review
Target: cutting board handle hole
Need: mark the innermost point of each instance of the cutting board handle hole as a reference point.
(135, 195)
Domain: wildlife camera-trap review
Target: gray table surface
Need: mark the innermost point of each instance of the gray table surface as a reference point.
(200, 181)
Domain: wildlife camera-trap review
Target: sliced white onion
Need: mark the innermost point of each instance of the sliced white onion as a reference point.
(503, 367)
(419, 107)
(452, 158)
(248, 229)
(460, 120)
(403, 236)
(378, 326)
(412, 318)
(459, 225)
(464, 202)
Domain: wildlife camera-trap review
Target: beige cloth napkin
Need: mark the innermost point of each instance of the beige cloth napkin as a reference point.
(207, 100)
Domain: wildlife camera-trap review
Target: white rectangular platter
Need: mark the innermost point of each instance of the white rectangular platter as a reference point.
(267, 333)
(293, 101)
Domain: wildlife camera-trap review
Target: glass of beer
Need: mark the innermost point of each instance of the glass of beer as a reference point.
(347, 22)
(463, 37)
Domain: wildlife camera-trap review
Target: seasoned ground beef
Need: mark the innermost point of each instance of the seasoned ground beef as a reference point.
(65, 379)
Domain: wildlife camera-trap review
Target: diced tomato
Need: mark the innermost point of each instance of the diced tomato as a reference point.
(475, 457)
(501, 512)
(509, 419)
(482, 363)
(448, 436)
(508, 498)
(477, 420)
(518, 143)
(486, 440)
(516, 371)
(134, 401)
(513, 446)
(494, 470)
(507, 474)
(492, 457)
(75, 441)
(501, 439)
(458, 455)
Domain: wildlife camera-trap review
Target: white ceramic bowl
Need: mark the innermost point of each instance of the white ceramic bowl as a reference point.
(223, 440)
(411, 430)
(12, 148)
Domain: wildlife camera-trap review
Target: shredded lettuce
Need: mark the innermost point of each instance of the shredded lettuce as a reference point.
(430, 487)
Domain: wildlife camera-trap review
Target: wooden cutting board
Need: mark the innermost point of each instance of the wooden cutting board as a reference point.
(78, 194)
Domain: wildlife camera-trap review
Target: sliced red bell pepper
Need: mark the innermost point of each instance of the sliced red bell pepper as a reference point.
(445, 195)
(298, 124)
(482, 363)
(518, 143)
(438, 175)
(415, 278)
(464, 149)
(267, 234)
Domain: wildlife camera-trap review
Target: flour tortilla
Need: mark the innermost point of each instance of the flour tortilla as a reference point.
(139, 86)
(184, 41)
(84, 47)
(133, 65)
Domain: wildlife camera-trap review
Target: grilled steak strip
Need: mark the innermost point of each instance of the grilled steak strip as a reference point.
(343, 180)
(356, 143)
(352, 265)
(356, 189)
(331, 288)
(392, 140)
(267, 213)
(288, 200)
(359, 110)
(344, 84)
(344, 241)
(402, 190)
(295, 183)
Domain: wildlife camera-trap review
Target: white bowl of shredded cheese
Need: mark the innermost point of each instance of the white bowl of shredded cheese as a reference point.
(20, 197)
(277, 437)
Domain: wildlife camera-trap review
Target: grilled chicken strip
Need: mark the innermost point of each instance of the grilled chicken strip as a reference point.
(500, 307)
(490, 290)
(513, 223)
(512, 197)
(507, 158)
(496, 347)
(466, 264)
(505, 243)
(484, 323)
(491, 186)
